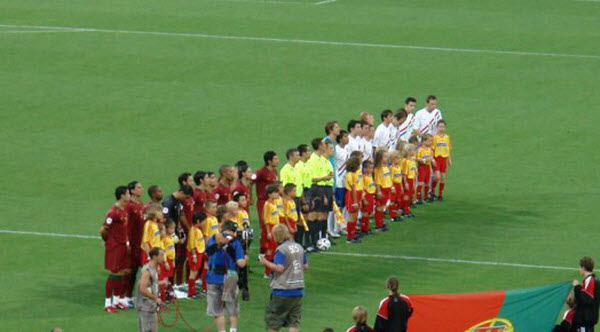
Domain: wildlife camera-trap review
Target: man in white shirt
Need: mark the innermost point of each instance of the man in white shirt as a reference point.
(426, 119)
(341, 156)
(383, 132)
(354, 139)
(406, 129)
(367, 138)
(397, 120)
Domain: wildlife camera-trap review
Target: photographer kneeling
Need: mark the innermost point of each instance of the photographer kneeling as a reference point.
(225, 254)
(287, 286)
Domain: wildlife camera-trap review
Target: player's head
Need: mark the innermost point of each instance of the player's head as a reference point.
(155, 193)
(356, 154)
(409, 150)
(367, 116)
(570, 301)
(198, 218)
(427, 140)
(170, 227)
(392, 285)
(156, 254)
(342, 137)
(329, 150)
(122, 194)
(380, 158)
(304, 150)
(199, 177)
(154, 213)
(386, 116)
(328, 329)
(232, 207)
(400, 146)
(222, 214)
(210, 180)
(241, 198)
(409, 104)
(270, 158)
(413, 139)
(318, 144)
(399, 118)
(273, 191)
(352, 164)
(395, 157)
(211, 207)
(431, 102)
(185, 192)
(135, 188)
(289, 190)
(241, 163)
(364, 128)
(292, 155)
(281, 233)
(228, 172)
(441, 126)
(162, 229)
(354, 127)
(370, 132)
(367, 167)
(359, 314)
(185, 179)
(586, 264)
(332, 127)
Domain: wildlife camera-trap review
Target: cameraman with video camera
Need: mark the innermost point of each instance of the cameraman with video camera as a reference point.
(245, 234)
(225, 255)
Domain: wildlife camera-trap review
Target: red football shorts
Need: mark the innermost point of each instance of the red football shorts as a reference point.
(368, 208)
(164, 273)
(411, 188)
(116, 258)
(181, 249)
(424, 173)
(386, 194)
(350, 201)
(270, 245)
(190, 261)
(440, 164)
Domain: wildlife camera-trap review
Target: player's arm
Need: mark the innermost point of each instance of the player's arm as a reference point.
(184, 222)
(144, 288)
(104, 232)
(354, 194)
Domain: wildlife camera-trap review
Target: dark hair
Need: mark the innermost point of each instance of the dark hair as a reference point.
(221, 210)
(364, 123)
(328, 329)
(410, 100)
(352, 124)
(268, 156)
(290, 152)
(587, 263)
(229, 226)
(392, 285)
(329, 126)
(237, 195)
(198, 217)
(413, 140)
(272, 188)
(152, 190)
(356, 154)
(198, 177)
(431, 97)
(289, 187)
(120, 191)
(302, 148)
(442, 121)
(182, 178)
(400, 115)
(316, 142)
(352, 164)
(241, 163)
(209, 173)
(379, 158)
(131, 185)
(187, 190)
(242, 169)
(155, 251)
(339, 137)
(367, 163)
(385, 114)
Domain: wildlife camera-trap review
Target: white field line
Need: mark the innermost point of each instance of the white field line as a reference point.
(317, 42)
(587, 0)
(271, 2)
(429, 259)
(37, 31)
(325, 2)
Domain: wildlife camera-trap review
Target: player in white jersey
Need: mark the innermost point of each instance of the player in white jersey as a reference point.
(354, 133)
(341, 156)
(427, 118)
(383, 133)
(367, 140)
(397, 121)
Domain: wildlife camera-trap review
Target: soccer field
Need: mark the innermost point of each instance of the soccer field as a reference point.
(97, 93)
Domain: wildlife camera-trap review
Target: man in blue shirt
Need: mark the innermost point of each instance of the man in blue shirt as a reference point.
(225, 255)
(287, 286)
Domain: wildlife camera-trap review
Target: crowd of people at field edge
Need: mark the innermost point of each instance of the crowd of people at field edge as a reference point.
(203, 228)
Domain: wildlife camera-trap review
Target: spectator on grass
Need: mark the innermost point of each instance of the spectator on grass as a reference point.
(587, 296)
(287, 286)
(394, 310)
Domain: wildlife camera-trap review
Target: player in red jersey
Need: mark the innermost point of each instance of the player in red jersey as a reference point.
(226, 185)
(199, 194)
(116, 250)
(264, 177)
(156, 195)
(244, 184)
(184, 179)
(135, 227)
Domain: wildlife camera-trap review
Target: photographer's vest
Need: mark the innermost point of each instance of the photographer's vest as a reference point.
(143, 303)
(292, 276)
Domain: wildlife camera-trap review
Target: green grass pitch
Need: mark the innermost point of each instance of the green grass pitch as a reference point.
(84, 111)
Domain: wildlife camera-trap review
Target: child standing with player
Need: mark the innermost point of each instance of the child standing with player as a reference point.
(397, 178)
(353, 197)
(441, 153)
(271, 218)
(368, 199)
(425, 160)
(383, 182)
(409, 172)
(195, 251)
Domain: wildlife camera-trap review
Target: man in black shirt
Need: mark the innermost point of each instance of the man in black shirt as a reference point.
(394, 311)
(172, 209)
(587, 296)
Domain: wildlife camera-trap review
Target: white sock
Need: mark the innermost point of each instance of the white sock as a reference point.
(123, 300)
(115, 300)
(107, 302)
(232, 330)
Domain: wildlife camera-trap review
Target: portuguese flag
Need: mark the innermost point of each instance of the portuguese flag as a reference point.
(521, 310)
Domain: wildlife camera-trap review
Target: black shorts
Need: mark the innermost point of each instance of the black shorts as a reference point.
(321, 199)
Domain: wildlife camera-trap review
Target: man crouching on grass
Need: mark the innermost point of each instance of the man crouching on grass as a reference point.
(148, 299)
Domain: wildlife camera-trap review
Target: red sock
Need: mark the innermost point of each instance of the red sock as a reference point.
(108, 288)
(351, 229)
(433, 184)
(419, 187)
(393, 209)
(426, 192)
(364, 223)
(191, 286)
(442, 184)
(378, 218)
(406, 206)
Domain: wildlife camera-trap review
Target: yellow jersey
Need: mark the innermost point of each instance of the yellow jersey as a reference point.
(409, 168)
(441, 146)
(271, 213)
(151, 234)
(353, 180)
(242, 218)
(195, 240)
(424, 155)
(211, 226)
(383, 177)
(279, 203)
(368, 184)
(290, 210)
(396, 171)
(169, 246)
